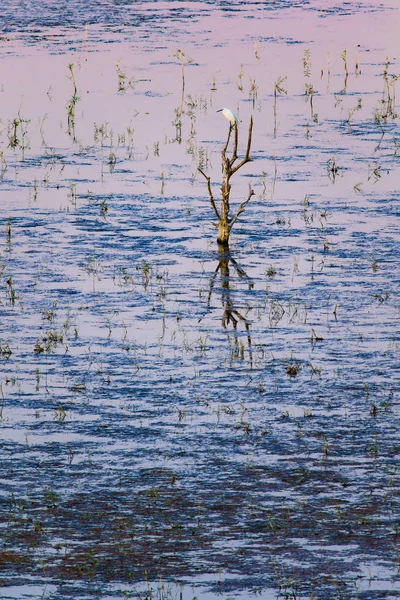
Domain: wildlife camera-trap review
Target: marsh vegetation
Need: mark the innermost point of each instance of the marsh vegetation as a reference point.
(199, 325)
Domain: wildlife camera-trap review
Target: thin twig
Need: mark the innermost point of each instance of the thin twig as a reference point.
(235, 146)
(212, 201)
(249, 137)
(241, 208)
(227, 141)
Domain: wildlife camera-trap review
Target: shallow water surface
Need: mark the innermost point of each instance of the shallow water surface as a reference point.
(177, 422)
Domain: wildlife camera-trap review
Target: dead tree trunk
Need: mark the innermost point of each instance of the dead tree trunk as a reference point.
(224, 221)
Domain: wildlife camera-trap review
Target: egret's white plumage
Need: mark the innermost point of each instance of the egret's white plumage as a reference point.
(228, 114)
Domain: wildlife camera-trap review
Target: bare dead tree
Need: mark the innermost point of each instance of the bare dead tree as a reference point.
(231, 314)
(229, 167)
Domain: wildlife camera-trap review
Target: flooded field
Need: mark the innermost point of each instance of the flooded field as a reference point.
(177, 419)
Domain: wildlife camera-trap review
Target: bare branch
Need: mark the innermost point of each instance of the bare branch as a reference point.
(241, 208)
(245, 160)
(247, 157)
(225, 160)
(249, 137)
(212, 201)
(227, 141)
(235, 146)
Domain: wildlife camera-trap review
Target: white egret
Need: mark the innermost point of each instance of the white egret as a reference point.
(228, 114)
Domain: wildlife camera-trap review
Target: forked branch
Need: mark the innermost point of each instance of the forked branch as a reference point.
(241, 208)
(247, 157)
